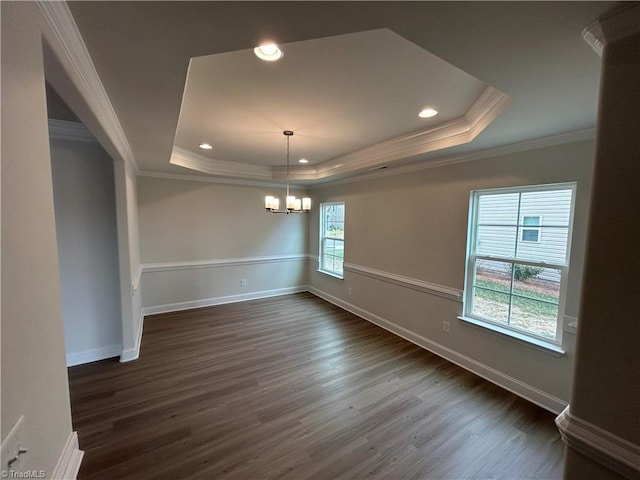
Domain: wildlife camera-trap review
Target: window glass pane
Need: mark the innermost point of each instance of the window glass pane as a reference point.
(534, 316)
(530, 235)
(332, 235)
(526, 224)
(496, 240)
(498, 209)
(553, 206)
(537, 282)
(546, 244)
(536, 297)
(493, 275)
(491, 304)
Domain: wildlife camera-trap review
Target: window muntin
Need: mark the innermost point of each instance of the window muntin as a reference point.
(332, 238)
(516, 279)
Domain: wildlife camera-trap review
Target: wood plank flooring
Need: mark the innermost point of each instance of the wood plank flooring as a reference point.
(293, 387)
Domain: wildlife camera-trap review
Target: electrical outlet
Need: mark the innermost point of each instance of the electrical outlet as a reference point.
(445, 327)
(243, 282)
(349, 291)
(13, 449)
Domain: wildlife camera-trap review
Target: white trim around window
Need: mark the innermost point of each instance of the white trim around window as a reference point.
(517, 286)
(331, 243)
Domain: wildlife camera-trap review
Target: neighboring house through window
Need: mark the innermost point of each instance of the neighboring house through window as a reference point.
(517, 260)
(332, 238)
(530, 234)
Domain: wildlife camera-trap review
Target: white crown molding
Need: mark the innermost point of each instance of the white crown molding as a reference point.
(63, 25)
(194, 161)
(461, 130)
(600, 445)
(544, 142)
(614, 26)
(594, 37)
(223, 262)
(201, 178)
(551, 141)
(455, 132)
(65, 130)
(408, 282)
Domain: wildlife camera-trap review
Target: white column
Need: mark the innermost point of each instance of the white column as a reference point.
(602, 424)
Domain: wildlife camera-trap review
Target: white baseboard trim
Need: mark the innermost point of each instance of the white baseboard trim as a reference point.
(130, 354)
(69, 462)
(604, 447)
(209, 302)
(526, 391)
(93, 355)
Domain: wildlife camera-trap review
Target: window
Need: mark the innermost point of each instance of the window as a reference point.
(332, 238)
(517, 270)
(531, 234)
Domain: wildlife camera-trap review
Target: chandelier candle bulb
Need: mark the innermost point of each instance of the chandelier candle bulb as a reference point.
(298, 204)
(306, 204)
(291, 202)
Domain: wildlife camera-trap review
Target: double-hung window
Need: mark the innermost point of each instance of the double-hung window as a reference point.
(518, 258)
(332, 238)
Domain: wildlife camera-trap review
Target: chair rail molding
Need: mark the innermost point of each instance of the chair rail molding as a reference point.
(408, 282)
(220, 262)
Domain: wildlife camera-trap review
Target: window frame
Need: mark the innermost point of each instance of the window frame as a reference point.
(323, 240)
(536, 228)
(527, 336)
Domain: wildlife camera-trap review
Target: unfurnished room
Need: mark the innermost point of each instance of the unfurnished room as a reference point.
(320, 240)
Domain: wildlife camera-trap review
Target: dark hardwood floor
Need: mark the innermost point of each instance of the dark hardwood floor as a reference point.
(294, 387)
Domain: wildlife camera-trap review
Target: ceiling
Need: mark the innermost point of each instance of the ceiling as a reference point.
(351, 82)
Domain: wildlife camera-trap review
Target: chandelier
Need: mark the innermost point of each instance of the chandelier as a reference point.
(293, 204)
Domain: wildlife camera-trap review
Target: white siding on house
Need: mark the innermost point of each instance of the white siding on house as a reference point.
(500, 226)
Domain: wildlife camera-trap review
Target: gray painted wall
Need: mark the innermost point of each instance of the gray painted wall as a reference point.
(34, 374)
(182, 222)
(84, 199)
(415, 225)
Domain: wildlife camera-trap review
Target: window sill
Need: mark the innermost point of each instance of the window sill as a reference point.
(331, 274)
(536, 343)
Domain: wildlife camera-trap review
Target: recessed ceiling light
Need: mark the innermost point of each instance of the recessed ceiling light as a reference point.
(303, 160)
(205, 146)
(268, 51)
(428, 113)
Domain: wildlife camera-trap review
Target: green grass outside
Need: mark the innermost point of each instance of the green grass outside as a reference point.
(530, 305)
